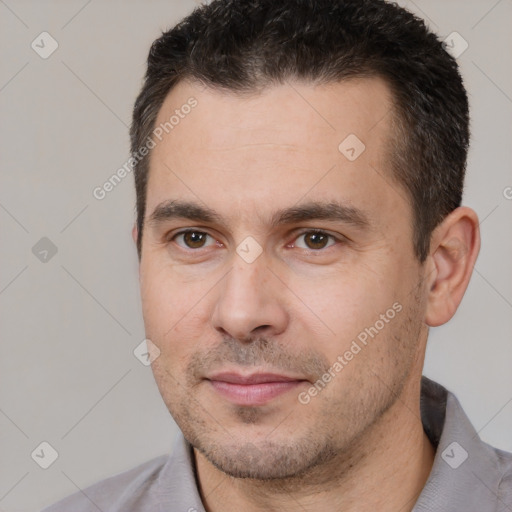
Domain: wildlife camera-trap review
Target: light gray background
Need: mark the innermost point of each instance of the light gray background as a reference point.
(70, 325)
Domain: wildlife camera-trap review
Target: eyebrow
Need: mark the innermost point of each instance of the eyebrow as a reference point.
(313, 210)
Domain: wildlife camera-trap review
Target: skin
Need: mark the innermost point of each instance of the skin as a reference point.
(359, 443)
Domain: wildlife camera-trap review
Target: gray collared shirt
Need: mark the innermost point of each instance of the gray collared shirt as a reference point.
(468, 475)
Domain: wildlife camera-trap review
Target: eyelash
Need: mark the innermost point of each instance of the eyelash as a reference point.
(302, 233)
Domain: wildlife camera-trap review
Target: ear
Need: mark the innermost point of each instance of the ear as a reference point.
(135, 233)
(454, 247)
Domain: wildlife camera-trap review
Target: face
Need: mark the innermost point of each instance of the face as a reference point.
(278, 277)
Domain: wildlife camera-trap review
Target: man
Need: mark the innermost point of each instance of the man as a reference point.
(299, 168)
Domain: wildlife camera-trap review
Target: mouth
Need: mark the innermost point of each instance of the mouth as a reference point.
(254, 389)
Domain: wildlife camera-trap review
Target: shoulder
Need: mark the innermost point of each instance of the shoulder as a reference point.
(116, 493)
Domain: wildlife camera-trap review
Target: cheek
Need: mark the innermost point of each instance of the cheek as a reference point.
(358, 313)
(344, 304)
(164, 305)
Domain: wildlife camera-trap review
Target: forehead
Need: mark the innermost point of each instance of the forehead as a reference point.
(243, 153)
(292, 112)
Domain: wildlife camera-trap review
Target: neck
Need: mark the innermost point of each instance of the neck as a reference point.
(385, 469)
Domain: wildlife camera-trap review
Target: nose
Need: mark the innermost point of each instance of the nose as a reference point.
(250, 301)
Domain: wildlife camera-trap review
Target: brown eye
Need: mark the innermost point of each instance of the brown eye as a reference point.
(315, 240)
(192, 239)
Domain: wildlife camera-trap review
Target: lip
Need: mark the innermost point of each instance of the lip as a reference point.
(255, 389)
(255, 378)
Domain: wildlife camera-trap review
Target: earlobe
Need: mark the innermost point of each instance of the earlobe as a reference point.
(454, 248)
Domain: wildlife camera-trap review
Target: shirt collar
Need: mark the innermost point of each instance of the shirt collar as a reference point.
(466, 472)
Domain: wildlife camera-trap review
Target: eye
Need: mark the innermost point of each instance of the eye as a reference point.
(192, 239)
(315, 240)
